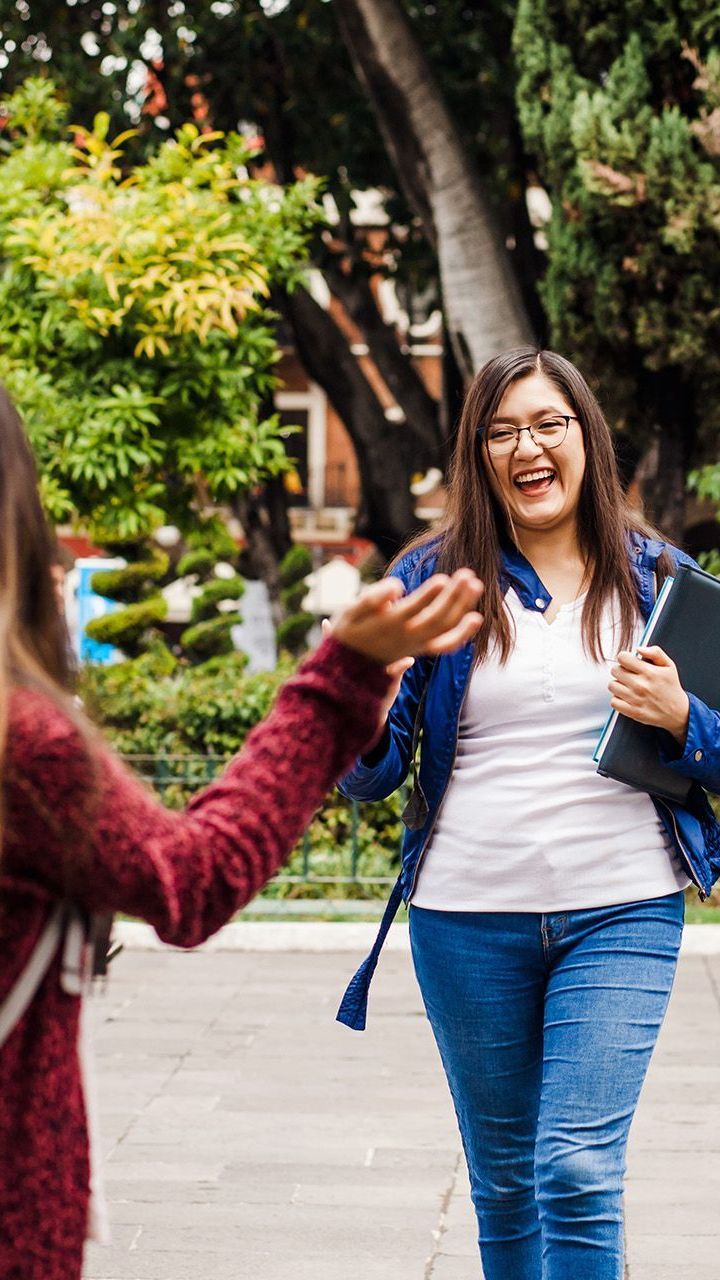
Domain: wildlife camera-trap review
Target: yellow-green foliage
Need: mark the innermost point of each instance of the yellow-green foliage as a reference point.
(136, 337)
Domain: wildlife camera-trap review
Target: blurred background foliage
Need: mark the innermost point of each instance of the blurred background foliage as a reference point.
(137, 339)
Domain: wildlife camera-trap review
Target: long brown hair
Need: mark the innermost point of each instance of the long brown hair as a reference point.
(33, 637)
(474, 524)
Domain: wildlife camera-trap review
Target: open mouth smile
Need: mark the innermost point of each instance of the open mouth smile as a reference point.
(537, 481)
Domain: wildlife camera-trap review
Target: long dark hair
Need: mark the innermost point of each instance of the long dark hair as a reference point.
(475, 525)
(33, 637)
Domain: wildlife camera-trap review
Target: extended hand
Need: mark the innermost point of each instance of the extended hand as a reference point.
(648, 689)
(388, 626)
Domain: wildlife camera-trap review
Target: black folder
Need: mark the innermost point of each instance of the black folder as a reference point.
(685, 623)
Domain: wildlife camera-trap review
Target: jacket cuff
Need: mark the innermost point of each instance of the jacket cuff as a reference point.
(698, 758)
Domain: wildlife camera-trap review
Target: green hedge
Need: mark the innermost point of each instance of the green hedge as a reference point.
(157, 706)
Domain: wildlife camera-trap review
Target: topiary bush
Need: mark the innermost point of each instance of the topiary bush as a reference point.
(127, 583)
(295, 565)
(131, 628)
(210, 639)
(200, 561)
(293, 631)
(292, 597)
(205, 605)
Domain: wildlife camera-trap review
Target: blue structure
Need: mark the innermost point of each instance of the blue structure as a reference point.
(90, 605)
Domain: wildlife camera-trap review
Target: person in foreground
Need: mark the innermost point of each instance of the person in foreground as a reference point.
(546, 902)
(77, 827)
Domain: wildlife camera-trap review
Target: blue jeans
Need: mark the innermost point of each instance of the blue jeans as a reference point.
(545, 1026)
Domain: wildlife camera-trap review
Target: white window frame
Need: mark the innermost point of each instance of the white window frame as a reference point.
(313, 402)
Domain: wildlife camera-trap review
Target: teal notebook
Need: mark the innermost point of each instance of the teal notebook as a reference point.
(685, 623)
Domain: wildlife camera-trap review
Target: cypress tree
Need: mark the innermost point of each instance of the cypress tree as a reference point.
(619, 104)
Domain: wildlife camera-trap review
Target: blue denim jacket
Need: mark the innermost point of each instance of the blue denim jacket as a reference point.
(693, 828)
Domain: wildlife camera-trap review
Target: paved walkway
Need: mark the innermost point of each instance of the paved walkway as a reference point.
(249, 1137)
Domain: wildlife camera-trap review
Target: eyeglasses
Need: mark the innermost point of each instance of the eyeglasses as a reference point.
(549, 433)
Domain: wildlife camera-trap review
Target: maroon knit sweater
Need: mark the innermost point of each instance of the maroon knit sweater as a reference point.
(185, 873)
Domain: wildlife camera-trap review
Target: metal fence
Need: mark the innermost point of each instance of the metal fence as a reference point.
(176, 778)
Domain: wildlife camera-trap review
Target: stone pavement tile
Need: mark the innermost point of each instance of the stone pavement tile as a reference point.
(280, 1260)
(681, 1169)
(138, 1196)
(160, 1172)
(450, 1268)
(407, 1194)
(396, 1234)
(460, 1242)
(214, 1266)
(660, 1271)
(683, 1257)
(272, 1204)
(459, 1232)
(208, 1264)
(684, 1217)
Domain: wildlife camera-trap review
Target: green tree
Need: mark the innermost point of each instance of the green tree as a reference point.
(286, 68)
(137, 338)
(621, 106)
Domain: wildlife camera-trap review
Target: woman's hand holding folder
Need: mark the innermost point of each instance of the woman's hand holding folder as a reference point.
(646, 687)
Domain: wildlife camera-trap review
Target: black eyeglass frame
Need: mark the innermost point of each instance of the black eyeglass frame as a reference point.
(566, 417)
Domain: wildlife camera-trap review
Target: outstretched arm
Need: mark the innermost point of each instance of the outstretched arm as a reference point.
(87, 828)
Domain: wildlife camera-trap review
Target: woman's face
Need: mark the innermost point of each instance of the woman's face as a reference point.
(539, 486)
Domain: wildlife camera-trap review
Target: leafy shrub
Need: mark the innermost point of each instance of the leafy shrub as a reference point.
(205, 604)
(200, 562)
(292, 597)
(132, 580)
(113, 545)
(210, 639)
(155, 705)
(215, 711)
(295, 565)
(326, 851)
(212, 536)
(130, 628)
(292, 632)
(134, 701)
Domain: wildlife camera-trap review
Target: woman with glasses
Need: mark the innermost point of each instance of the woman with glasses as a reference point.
(546, 901)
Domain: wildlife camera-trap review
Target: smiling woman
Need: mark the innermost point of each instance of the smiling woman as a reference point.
(545, 900)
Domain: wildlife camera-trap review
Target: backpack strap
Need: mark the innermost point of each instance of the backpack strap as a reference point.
(416, 810)
(66, 927)
(19, 997)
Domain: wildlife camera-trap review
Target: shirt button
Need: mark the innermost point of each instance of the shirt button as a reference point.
(539, 603)
(698, 756)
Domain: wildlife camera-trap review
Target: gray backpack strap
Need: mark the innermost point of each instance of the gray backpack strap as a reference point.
(18, 999)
